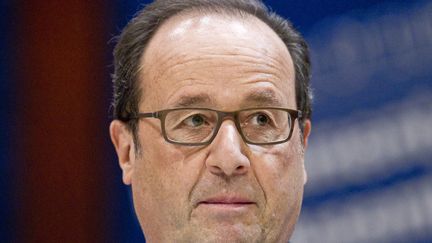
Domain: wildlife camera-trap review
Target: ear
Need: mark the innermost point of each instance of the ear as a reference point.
(306, 132)
(122, 139)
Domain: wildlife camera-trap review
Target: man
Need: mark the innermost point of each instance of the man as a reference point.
(212, 108)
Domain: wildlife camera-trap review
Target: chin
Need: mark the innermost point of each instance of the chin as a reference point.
(225, 233)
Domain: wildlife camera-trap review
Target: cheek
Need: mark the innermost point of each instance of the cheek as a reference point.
(279, 171)
(164, 171)
(163, 179)
(278, 164)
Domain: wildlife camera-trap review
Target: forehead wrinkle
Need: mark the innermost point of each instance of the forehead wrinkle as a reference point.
(249, 66)
(248, 55)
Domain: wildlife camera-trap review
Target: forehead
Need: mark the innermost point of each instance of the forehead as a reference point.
(224, 28)
(213, 49)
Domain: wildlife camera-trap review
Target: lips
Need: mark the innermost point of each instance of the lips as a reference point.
(226, 208)
(227, 200)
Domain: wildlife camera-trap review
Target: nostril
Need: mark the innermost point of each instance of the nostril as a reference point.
(227, 170)
(215, 169)
(241, 169)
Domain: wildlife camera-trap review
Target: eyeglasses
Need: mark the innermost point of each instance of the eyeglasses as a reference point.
(199, 126)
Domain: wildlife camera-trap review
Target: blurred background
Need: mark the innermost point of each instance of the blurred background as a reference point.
(370, 157)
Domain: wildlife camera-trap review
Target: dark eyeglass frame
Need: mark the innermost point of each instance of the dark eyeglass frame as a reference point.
(221, 116)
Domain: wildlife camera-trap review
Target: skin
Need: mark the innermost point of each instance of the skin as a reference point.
(225, 63)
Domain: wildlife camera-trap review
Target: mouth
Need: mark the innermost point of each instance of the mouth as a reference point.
(227, 201)
(226, 207)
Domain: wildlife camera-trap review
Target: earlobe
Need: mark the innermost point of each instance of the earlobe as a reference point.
(122, 140)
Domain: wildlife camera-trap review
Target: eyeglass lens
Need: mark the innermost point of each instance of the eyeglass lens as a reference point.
(199, 125)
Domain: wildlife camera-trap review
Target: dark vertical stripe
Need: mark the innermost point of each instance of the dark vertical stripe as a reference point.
(7, 109)
(62, 71)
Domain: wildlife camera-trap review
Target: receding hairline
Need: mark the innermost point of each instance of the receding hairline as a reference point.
(213, 11)
(225, 14)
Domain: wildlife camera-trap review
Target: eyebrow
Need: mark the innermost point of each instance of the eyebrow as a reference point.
(195, 100)
(263, 97)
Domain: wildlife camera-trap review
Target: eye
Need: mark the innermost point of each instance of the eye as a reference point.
(262, 119)
(194, 120)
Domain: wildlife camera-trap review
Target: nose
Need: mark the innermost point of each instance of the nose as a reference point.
(227, 155)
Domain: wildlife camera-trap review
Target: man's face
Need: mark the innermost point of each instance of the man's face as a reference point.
(228, 191)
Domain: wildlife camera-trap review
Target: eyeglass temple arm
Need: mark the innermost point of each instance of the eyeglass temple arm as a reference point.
(146, 115)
